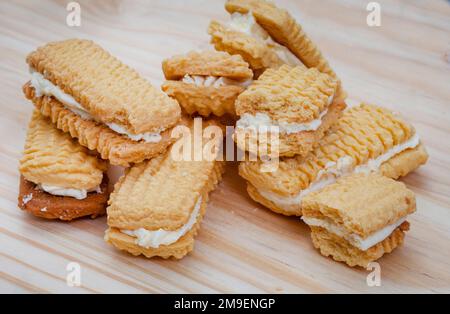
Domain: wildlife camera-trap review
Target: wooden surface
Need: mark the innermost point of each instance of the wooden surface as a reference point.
(404, 65)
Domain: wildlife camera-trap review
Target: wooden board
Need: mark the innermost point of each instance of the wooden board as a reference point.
(403, 65)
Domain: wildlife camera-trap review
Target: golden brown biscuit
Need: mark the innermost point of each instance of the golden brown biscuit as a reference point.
(156, 208)
(206, 63)
(297, 100)
(45, 205)
(367, 138)
(206, 82)
(283, 28)
(52, 157)
(353, 217)
(118, 149)
(103, 86)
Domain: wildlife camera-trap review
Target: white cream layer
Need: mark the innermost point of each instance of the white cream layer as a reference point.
(263, 121)
(354, 239)
(214, 81)
(334, 170)
(79, 194)
(42, 86)
(154, 239)
(246, 23)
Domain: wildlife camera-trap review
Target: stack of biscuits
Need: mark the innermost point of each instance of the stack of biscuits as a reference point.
(336, 166)
(92, 113)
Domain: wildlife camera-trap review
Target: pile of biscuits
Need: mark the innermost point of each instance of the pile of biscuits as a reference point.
(336, 166)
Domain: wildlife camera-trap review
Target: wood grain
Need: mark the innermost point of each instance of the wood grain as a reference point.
(403, 65)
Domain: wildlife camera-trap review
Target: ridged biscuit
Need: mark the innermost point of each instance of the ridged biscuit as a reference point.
(292, 95)
(44, 205)
(214, 63)
(160, 194)
(109, 90)
(288, 94)
(341, 250)
(256, 53)
(52, 157)
(118, 149)
(300, 143)
(364, 132)
(283, 28)
(205, 100)
(361, 204)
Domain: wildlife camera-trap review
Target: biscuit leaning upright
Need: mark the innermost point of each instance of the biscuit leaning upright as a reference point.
(59, 178)
(359, 218)
(157, 207)
(285, 30)
(100, 101)
(206, 82)
(365, 139)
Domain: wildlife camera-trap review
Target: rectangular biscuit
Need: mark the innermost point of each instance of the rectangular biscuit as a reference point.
(106, 88)
(157, 197)
(366, 138)
(359, 217)
(118, 149)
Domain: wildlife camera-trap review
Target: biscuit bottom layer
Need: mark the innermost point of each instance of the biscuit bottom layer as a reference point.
(42, 87)
(245, 23)
(45, 205)
(155, 238)
(333, 170)
(361, 243)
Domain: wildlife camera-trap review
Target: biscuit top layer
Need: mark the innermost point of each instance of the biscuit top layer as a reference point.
(109, 90)
(207, 63)
(363, 133)
(288, 94)
(160, 193)
(53, 158)
(361, 204)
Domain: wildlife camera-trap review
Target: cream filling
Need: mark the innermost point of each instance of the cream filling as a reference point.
(246, 23)
(79, 194)
(153, 239)
(42, 87)
(354, 239)
(263, 121)
(334, 170)
(214, 81)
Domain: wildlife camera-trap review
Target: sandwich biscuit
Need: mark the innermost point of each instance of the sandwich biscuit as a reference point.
(284, 30)
(206, 82)
(298, 102)
(59, 178)
(85, 80)
(359, 218)
(157, 207)
(365, 139)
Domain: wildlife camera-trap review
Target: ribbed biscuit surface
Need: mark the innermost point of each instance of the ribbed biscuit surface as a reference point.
(52, 157)
(363, 132)
(109, 90)
(214, 63)
(361, 204)
(288, 94)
